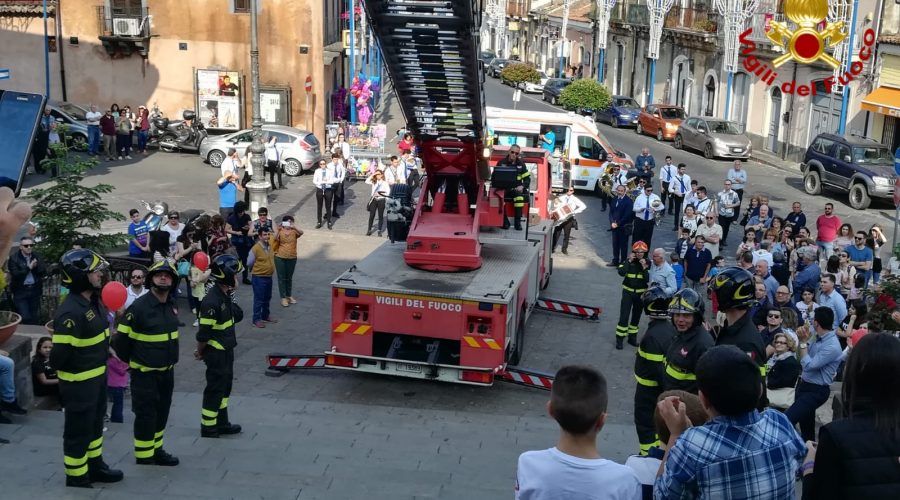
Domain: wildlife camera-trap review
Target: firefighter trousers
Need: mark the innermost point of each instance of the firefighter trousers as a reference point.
(219, 374)
(631, 306)
(85, 407)
(644, 406)
(151, 398)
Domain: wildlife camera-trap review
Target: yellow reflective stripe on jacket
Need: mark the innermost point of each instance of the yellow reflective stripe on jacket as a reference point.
(646, 382)
(134, 365)
(659, 358)
(629, 275)
(77, 342)
(763, 370)
(523, 175)
(157, 337)
(81, 376)
(679, 374)
(633, 290)
(216, 326)
(215, 344)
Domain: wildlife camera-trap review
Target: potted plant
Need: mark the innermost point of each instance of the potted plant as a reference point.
(9, 321)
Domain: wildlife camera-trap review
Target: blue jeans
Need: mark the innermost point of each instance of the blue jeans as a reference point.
(262, 295)
(117, 395)
(807, 399)
(7, 379)
(143, 135)
(827, 247)
(94, 139)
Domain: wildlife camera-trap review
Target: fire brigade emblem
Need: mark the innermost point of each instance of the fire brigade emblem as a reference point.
(805, 44)
(683, 352)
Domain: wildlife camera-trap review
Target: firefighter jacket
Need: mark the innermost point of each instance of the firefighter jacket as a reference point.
(682, 356)
(649, 364)
(218, 315)
(523, 176)
(636, 277)
(148, 334)
(80, 339)
(746, 337)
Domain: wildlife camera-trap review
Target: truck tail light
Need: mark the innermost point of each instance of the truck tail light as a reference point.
(344, 362)
(476, 377)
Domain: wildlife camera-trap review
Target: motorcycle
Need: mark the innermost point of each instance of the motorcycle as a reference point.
(182, 136)
(158, 211)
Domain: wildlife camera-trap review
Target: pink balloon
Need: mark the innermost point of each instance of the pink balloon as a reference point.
(114, 295)
(201, 260)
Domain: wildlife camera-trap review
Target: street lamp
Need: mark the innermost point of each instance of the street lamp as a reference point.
(257, 184)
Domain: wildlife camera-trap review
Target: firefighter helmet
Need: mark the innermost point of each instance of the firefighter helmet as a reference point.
(734, 289)
(163, 266)
(639, 246)
(77, 265)
(656, 302)
(224, 268)
(687, 301)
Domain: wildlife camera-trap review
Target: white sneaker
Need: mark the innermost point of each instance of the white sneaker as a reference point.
(196, 322)
(127, 157)
(120, 157)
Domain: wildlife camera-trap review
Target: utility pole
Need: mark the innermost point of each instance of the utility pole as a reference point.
(47, 52)
(352, 58)
(257, 184)
(848, 54)
(562, 37)
(603, 10)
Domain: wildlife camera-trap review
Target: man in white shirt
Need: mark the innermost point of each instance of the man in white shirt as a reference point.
(646, 205)
(661, 272)
(93, 124)
(728, 202)
(702, 204)
(273, 163)
(323, 178)
(577, 206)
(678, 188)
(666, 174)
(395, 173)
(764, 254)
(135, 289)
(340, 173)
(712, 232)
(231, 163)
(619, 177)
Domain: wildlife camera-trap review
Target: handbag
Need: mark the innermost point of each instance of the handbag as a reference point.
(184, 268)
(371, 204)
(781, 398)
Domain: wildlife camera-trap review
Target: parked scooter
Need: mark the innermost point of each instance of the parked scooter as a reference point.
(184, 137)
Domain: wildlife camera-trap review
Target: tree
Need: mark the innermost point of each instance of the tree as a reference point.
(520, 73)
(585, 94)
(68, 212)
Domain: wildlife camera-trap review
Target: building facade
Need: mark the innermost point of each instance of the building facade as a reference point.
(883, 105)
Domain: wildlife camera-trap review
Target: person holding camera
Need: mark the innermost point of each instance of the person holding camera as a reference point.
(636, 272)
(284, 244)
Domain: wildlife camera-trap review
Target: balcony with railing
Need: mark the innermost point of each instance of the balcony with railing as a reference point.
(124, 31)
(696, 18)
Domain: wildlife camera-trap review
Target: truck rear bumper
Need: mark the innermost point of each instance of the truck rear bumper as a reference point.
(412, 369)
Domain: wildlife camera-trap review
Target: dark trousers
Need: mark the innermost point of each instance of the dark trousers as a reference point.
(664, 194)
(324, 198)
(226, 212)
(644, 405)
(807, 399)
(39, 150)
(143, 135)
(740, 193)
(219, 374)
(85, 407)
(123, 144)
(604, 201)
(629, 314)
(338, 198)
(643, 231)
(725, 222)
(27, 299)
(151, 398)
(274, 167)
(376, 206)
(566, 229)
(244, 181)
(117, 399)
(262, 296)
(620, 244)
(243, 245)
(676, 202)
(284, 268)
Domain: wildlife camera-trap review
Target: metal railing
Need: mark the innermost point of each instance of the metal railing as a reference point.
(129, 23)
(689, 18)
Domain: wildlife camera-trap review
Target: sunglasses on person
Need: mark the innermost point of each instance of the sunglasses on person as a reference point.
(137, 276)
(26, 245)
(513, 152)
(858, 238)
(775, 316)
(173, 217)
(779, 342)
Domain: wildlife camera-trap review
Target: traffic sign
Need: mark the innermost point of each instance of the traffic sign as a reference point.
(4, 73)
(517, 95)
(308, 84)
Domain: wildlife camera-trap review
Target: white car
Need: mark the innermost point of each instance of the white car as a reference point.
(536, 88)
(299, 148)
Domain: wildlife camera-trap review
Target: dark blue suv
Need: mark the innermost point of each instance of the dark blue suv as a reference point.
(859, 166)
(622, 112)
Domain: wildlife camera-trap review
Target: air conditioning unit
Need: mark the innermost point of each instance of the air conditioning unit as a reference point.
(126, 27)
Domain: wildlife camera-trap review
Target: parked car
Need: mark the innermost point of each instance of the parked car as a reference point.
(861, 167)
(300, 150)
(622, 112)
(73, 116)
(535, 88)
(496, 66)
(486, 56)
(713, 136)
(552, 88)
(661, 120)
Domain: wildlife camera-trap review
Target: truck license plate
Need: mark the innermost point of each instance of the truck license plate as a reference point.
(409, 368)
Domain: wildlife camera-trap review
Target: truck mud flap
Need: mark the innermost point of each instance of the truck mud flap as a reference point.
(279, 364)
(589, 313)
(526, 377)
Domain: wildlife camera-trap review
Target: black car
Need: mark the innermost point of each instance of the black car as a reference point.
(553, 88)
(861, 167)
(486, 56)
(496, 66)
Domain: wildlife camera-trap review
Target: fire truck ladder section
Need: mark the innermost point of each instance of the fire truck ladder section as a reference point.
(280, 364)
(588, 313)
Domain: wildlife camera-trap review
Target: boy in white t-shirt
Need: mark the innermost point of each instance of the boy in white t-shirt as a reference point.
(573, 468)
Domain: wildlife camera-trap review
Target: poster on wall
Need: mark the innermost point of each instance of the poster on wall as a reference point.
(275, 105)
(219, 99)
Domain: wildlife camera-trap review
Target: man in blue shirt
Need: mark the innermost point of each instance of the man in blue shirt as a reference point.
(861, 256)
(697, 262)
(738, 452)
(644, 161)
(548, 140)
(819, 362)
(808, 273)
(139, 232)
(829, 297)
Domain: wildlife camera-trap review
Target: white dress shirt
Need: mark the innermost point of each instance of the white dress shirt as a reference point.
(703, 207)
(668, 172)
(643, 206)
(680, 185)
(323, 177)
(567, 199)
(340, 173)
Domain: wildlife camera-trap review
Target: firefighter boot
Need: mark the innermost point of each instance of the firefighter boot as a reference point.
(209, 432)
(518, 215)
(78, 481)
(226, 427)
(619, 342)
(162, 457)
(632, 339)
(99, 472)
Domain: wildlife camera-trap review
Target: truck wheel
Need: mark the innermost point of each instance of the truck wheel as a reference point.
(859, 196)
(812, 182)
(514, 355)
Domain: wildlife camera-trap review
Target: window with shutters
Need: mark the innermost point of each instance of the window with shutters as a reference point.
(241, 6)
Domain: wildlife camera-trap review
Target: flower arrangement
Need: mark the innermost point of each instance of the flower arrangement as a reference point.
(885, 295)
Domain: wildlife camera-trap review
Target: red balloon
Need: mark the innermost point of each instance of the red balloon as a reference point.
(114, 295)
(201, 260)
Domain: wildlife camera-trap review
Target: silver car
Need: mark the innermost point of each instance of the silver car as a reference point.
(73, 117)
(715, 137)
(300, 150)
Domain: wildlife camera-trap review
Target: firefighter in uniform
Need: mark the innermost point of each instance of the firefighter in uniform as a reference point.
(691, 341)
(216, 341)
(80, 351)
(649, 365)
(637, 275)
(147, 340)
(734, 289)
(519, 192)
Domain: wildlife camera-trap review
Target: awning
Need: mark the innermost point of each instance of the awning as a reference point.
(884, 100)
